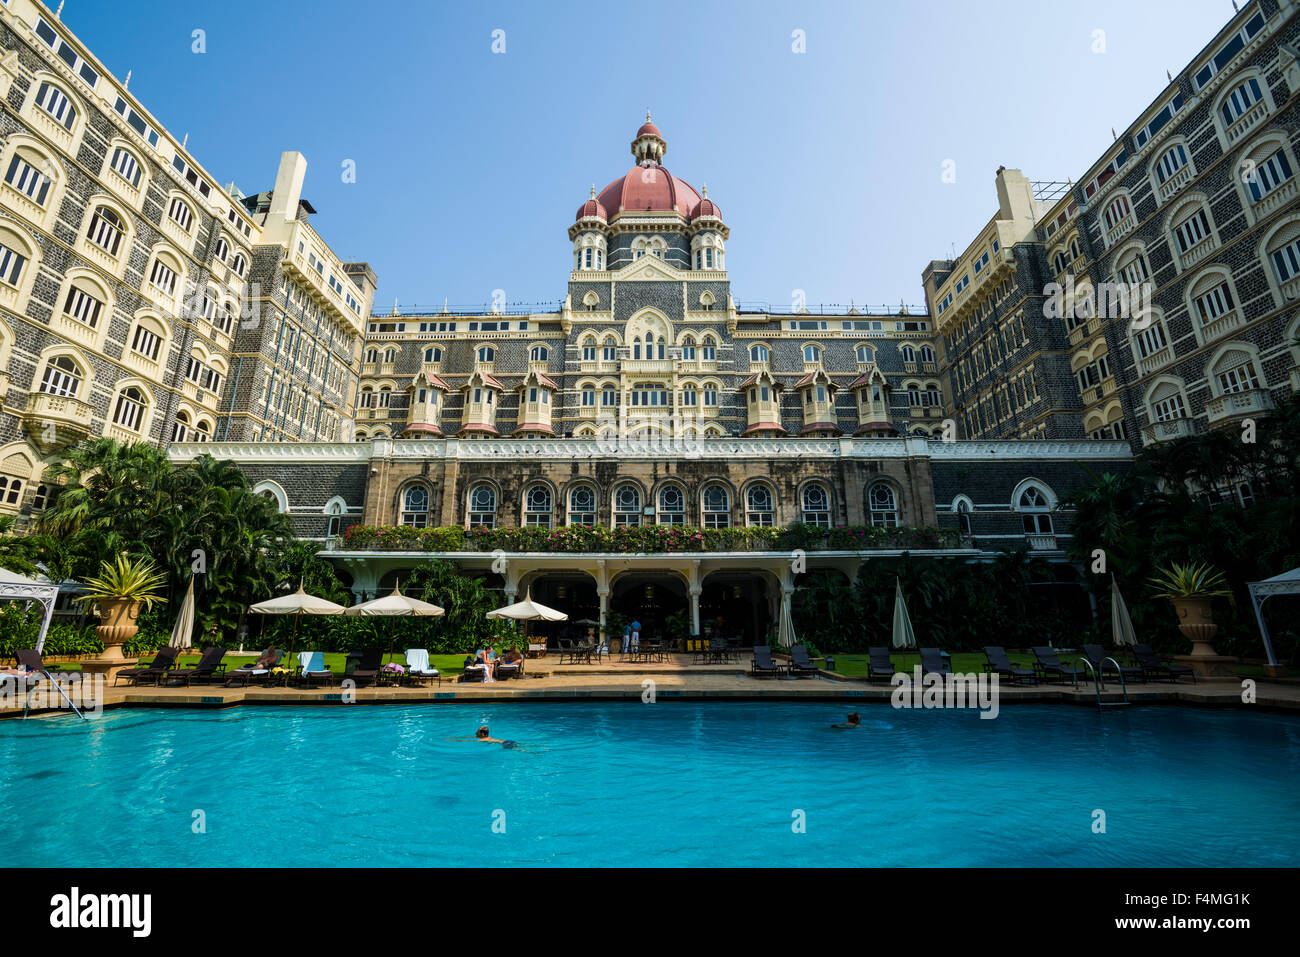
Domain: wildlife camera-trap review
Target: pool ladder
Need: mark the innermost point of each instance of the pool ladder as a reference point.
(1098, 683)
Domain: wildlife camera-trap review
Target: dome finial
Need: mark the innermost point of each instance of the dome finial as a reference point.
(705, 193)
(647, 114)
(593, 190)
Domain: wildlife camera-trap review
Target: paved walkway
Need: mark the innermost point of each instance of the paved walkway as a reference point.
(614, 680)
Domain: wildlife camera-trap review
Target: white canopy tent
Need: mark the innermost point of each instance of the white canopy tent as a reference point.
(1287, 583)
(15, 587)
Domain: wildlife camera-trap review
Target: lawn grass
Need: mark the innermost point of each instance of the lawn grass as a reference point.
(449, 665)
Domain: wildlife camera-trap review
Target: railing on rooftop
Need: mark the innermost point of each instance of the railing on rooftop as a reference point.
(836, 309)
(484, 309)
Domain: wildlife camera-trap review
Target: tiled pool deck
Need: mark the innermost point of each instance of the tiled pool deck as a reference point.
(678, 679)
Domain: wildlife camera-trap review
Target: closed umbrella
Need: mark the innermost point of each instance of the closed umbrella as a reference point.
(183, 630)
(904, 637)
(297, 604)
(1121, 625)
(395, 605)
(785, 627)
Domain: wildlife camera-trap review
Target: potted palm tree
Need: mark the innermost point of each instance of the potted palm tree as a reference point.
(121, 591)
(1191, 588)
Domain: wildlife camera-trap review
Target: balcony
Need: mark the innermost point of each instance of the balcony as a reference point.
(1174, 183)
(53, 421)
(52, 129)
(1220, 327)
(1250, 402)
(1120, 229)
(1198, 252)
(1156, 360)
(649, 366)
(1041, 543)
(1281, 196)
(1246, 122)
(1291, 289)
(119, 434)
(1167, 431)
(23, 206)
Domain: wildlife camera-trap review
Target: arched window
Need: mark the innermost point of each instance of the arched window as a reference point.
(433, 354)
(126, 165)
(672, 505)
(487, 354)
(609, 351)
(1036, 507)
(812, 353)
(716, 506)
(239, 265)
(1234, 371)
(537, 506)
(760, 507)
(908, 354)
(11, 490)
(12, 261)
(882, 503)
(627, 505)
(129, 410)
(815, 503)
(865, 354)
(759, 353)
(962, 508)
(538, 354)
(372, 355)
(482, 506)
(927, 354)
(56, 103)
(390, 355)
(415, 506)
(582, 505)
(708, 349)
(588, 396)
(30, 174)
(179, 212)
(106, 230)
(181, 427)
(62, 377)
(334, 525)
(688, 349)
(710, 395)
(588, 350)
(608, 397)
(202, 431)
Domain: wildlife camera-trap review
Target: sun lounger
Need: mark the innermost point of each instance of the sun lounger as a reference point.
(209, 667)
(258, 670)
(800, 664)
(31, 659)
(510, 669)
(418, 667)
(163, 662)
(1152, 666)
(473, 671)
(1048, 665)
(367, 667)
(998, 663)
(880, 665)
(762, 666)
(933, 663)
(312, 670)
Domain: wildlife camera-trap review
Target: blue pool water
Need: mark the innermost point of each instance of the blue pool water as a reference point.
(658, 785)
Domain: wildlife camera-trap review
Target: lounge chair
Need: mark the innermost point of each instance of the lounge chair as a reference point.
(998, 663)
(762, 666)
(311, 668)
(1097, 655)
(800, 663)
(1152, 666)
(932, 662)
(163, 662)
(418, 667)
(30, 659)
(259, 669)
(473, 671)
(209, 667)
(366, 668)
(1048, 665)
(510, 669)
(880, 665)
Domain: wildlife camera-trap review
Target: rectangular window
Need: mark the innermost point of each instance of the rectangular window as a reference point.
(1241, 378)
(1269, 175)
(1230, 49)
(136, 122)
(83, 307)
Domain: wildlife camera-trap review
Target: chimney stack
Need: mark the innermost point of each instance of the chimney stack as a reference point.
(288, 187)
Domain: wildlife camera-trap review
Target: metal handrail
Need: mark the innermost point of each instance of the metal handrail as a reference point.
(58, 687)
(1119, 671)
(1096, 679)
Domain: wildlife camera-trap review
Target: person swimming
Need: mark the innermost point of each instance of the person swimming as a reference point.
(482, 734)
(854, 720)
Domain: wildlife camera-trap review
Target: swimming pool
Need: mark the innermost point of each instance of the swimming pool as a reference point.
(659, 785)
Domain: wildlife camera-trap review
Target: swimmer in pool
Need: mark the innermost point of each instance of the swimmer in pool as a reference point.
(482, 734)
(853, 721)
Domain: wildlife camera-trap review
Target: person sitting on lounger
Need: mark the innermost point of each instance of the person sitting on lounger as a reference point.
(512, 657)
(485, 658)
(853, 721)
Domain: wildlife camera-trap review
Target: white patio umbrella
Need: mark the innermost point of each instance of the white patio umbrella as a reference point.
(1121, 625)
(394, 606)
(904, 636)
(182, 631)
(297, 604)
(528, 610)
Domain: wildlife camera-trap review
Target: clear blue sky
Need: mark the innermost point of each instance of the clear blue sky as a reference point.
(470, 165)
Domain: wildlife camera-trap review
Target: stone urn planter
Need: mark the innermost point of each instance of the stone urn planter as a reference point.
(1196, 621)
(118, 623)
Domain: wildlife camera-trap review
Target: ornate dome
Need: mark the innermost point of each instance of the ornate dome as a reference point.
(592, 209)
(650, 189)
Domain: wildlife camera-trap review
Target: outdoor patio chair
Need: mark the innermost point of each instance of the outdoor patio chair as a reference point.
(998, 663)
(473, 671)
(366, 667)
(879, 665)
(418, 668)
(312, 670)
(933, 663)
(30, 659)
(510, 669)
(1097, 655)
(763, 666)
(259, 669)
(209, 666)
(800, 663)
(1048, 665)
(1151, 665)
(163, 662)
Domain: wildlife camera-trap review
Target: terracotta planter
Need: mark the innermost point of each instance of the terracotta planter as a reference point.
(1195, 620)
(117, 624)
